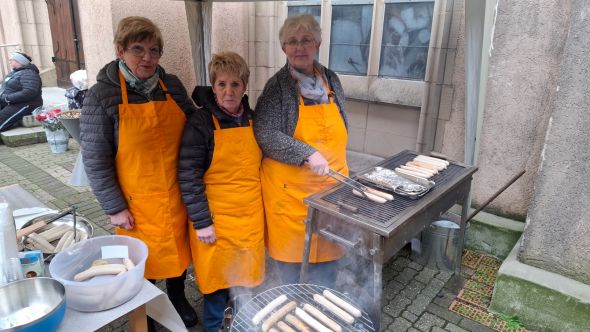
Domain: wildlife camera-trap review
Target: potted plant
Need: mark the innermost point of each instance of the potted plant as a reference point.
(57, 135)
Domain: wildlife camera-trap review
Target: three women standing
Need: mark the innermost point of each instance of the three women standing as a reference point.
(219, 173)
(131, 128)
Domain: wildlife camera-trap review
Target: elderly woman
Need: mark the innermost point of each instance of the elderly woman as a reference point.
(219, 174)
(300, 126)
(20, 90)
(131, 127)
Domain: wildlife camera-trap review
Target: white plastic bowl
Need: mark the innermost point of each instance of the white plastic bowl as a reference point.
(99, 293)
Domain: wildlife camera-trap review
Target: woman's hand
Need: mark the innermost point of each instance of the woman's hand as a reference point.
(318, 164)
(123, 219)
(206, 235)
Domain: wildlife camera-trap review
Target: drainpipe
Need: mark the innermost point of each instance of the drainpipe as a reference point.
(434, 80)
(13, 8)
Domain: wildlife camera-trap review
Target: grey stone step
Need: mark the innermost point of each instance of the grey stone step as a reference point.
(23, 136)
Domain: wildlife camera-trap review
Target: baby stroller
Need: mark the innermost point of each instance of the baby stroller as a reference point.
(75, 94)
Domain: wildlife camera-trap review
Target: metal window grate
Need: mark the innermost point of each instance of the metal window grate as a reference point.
(384, 213)
(301, 293)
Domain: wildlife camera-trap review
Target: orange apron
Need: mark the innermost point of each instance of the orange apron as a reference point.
(232, 186)
(285, 186)
(146, 163)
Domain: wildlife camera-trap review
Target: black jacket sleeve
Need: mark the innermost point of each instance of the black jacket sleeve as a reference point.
(192, 164)
(97, 138)
(30, 82)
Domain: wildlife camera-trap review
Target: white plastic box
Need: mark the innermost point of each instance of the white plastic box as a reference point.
(99, 293)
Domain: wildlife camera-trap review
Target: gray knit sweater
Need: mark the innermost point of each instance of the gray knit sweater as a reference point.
(277, 112)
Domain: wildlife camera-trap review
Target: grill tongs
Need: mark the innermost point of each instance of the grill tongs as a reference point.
(360, 189)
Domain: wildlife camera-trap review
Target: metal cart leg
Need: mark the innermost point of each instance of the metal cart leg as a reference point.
(456, 279)
(309, 227)
(377, 253)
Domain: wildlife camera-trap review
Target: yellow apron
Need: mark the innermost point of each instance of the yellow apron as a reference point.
(146, 164)
(232, 186)
(285, 186)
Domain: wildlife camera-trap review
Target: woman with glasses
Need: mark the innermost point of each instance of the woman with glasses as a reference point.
(219, 174)
(300, 126)
(131, 128)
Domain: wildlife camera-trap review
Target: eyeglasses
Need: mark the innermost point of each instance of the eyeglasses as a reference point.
(139, 51)
(305, 42)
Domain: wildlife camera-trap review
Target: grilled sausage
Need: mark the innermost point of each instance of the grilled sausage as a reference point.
(305, 317)
(407, 172)
(40, 243)
(431, 167)
(323, 318)
(268, 308)
(100, 270)
(278, 315)
(343, 315)
(372, 197)
(426, 172)
(432, 160)
(284, 327)
(62, 242)
(342, 304)
(297, 323)
(55, 233)
(272, 329)
(385, 195)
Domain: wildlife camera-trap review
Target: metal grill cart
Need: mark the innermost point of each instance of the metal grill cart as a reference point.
(378, 231)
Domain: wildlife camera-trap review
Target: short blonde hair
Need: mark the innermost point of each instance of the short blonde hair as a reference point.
(133, 29)
(304, 21)
(228, 62)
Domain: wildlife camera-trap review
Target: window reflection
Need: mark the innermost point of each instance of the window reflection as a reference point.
(406, 35)
(350, 36)
(313, 10)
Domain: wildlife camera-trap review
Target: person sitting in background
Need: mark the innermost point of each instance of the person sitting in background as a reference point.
(20, 92)
(219, 175)
(75, 94)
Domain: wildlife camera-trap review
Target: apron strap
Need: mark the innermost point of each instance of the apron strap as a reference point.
(123, 88)
(215, 122)
(124, 96)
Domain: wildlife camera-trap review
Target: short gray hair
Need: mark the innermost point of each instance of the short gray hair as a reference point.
(304, 21)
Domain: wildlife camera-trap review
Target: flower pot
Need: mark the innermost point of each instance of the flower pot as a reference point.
(57, 140)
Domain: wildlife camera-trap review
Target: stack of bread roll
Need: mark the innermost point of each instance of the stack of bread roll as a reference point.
(423, 167)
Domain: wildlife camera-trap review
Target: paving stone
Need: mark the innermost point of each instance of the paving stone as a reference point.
(406, 275)
(396, 306)
(400, 263)
(427, 321)
(473, 326)
(433, 288)
(438, 329)
(454, 328)
(386, 320)
(444, 299)
(392, 289)
(444, 276)
(409, 316)
(444, 313)
(413, 330)
(415, 266)
(399, 324)
(412, 289)
(426, 275)
(419, 304)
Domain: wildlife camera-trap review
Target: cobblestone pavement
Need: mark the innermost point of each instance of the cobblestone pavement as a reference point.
(414, 298)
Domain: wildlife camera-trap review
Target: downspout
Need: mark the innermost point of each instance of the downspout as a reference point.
(13, 8)
(434, 79)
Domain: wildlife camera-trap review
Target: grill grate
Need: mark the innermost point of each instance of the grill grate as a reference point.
(384, 213)
(301, 293)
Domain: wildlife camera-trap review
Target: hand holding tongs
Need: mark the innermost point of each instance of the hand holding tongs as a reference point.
(360, 189)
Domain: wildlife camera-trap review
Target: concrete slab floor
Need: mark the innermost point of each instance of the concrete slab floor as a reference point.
(414, 298)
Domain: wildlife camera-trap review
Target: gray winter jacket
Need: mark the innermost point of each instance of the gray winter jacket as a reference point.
(22, 85)
(277, 112)
(99, 129)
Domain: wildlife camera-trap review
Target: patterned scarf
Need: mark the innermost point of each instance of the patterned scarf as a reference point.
(145, 87)
(311, 87)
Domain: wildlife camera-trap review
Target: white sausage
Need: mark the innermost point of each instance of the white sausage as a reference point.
(323, 318)
(305, 317)
(425, 174)
(272, 329)
(343, 304)
(372, 197)
(432, 160)
(128, 263)
(385, 195)
(297, 323)
(55, 233)
(268, 308)
(60, 245)
(40, 243)
(333, 308)
(405, 171)
(284, 327)
(425, 165)
(100, 270)
(278, 315)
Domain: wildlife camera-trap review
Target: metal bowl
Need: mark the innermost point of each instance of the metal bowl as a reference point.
(82, 225)
(36, 304)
